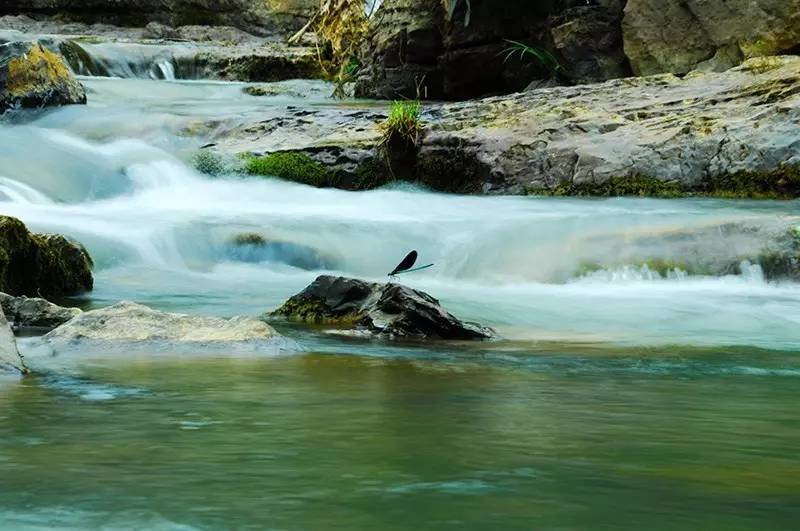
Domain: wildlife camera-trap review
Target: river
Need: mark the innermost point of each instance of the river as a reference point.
(617, 398)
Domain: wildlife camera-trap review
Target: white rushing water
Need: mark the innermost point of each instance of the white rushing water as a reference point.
(113, 176)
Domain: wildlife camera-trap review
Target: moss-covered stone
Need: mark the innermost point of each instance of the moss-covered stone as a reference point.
(780, 183)
(208, 162)
(292, 166)
(41, 265)
(314, 311)
(33, 76)
(636, 185)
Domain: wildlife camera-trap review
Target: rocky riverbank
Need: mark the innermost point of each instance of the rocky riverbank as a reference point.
(730, 134)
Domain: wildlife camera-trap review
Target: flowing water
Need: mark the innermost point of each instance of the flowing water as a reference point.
(617, 398)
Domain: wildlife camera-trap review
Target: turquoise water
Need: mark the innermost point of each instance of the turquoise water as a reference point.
(567, 440)
(617, 399)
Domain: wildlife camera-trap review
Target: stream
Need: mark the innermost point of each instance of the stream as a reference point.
(618, 397)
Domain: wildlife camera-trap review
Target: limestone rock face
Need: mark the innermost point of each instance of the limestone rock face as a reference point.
(128, 322)
(681, 35)
(24, 312)
(385, 310)
(41, 265)
(33, 76)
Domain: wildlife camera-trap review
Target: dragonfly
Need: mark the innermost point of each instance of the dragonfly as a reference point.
(407, 265)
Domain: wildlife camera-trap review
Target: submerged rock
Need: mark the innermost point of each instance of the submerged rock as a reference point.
(24, 312)
(40, 265)
(386, 310)
(128, 322)
(10, 359)
(33, 76)
(254, 248)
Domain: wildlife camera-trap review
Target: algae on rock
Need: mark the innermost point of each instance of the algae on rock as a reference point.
(39, 265)
(33, 76)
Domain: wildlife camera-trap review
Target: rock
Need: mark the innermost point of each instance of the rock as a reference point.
(36, 313)
(10, 359)
(384, 310)
(33, 76)
(128, 322)
(213, 53)
(412, 47)
(732, 133)
(255, 248)
(255, 16)
(680, 36)
(41, 265)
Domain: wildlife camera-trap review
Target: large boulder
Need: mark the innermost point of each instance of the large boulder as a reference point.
(681, 35)
(10, 359)
(128, 323)
(33, 76)
(386, 310)
(34, 313)
(39, 265)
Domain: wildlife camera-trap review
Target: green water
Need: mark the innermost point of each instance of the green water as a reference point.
(482, 440)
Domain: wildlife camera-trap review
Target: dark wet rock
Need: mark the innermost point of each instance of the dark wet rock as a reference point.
(24, 312)
(128, 322)
(40, 265)
(33, 76)
(384, 310)
(413, 46)
(10, 359)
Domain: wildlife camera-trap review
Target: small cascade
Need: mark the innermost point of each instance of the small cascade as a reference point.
(133, 60)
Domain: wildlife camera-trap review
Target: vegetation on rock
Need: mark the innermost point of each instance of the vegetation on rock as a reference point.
(404, 122)
(292, 166)
(33, 76)
(41, 265)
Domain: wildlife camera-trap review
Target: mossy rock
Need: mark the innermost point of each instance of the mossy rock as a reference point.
(292, 166)
(38, 265)
(315, 311)
(209, 163)
(33, 76)
(636, 186)
(781, 183)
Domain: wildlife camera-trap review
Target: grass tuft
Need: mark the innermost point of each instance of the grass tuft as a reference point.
(404, 122)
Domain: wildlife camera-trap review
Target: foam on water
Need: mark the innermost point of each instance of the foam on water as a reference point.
(160, 233)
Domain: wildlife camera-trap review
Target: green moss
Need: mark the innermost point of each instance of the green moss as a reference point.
(249, 238)
(372, 173)
(636, 185)
(781, 183)
(292, 166)
(208, 162)
(662, 266)
(315, 311)
(41, 265)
